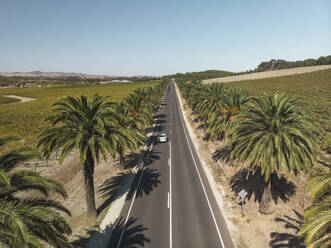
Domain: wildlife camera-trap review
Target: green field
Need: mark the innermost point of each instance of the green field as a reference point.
(313, 88)
(26, 119)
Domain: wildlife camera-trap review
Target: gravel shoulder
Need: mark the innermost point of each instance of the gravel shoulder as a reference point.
(267, 74)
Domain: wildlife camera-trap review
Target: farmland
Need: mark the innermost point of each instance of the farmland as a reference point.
(266, 74)
(314, 89)
(26, 119)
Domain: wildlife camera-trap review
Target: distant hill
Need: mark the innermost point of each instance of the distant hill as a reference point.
(201, 75)
(49, 74)
(21, 79)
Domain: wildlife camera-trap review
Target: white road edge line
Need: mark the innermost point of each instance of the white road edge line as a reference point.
(134, 197)
(196, 167)
(170, 195)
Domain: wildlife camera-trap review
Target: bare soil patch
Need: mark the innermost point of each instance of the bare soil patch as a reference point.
(70, 174)
(267, 74)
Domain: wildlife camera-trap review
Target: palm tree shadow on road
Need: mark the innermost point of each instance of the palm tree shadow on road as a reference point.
(133, 235)
(148, 182)
(115, 187)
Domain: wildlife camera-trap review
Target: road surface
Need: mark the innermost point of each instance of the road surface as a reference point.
(171, 203)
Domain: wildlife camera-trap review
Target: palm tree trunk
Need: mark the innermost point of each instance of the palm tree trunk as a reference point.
(122, 161)
(89, 184)
(264, 206)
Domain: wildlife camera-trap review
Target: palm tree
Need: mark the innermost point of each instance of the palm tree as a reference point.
(191, 92)
(277, 136)
(31, 222)
(86, 125)
(138, 108)
(222, 121)
(316, 230)
(24, 221)
(11, 158)
(129, 126)
(210, 100)
(319, 186)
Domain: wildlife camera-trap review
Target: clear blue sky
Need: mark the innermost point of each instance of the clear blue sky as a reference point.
(151, 37)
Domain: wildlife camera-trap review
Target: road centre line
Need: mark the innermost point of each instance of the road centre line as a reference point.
(196, 167)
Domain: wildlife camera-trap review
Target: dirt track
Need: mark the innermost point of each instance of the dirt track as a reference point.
(21, 98)
(267, 74)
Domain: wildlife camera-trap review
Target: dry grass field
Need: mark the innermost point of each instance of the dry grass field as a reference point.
(268, 74)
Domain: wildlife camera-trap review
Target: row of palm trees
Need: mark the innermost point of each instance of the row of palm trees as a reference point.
(272, 135)
(98, 129)
(94, 127)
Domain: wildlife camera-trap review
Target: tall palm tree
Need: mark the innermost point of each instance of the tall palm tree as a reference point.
(210, 100)
(191, 92)
(316, 230)
(129, 126)
(86, 125)
(222, 121)
(24, 221)
(277, 136)
(138, 108)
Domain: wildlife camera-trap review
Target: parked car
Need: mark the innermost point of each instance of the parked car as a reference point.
(162, 138)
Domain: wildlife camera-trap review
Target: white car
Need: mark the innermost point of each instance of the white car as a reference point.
(162, 138)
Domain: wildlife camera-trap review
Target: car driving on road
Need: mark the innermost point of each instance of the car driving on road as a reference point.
(162, 138)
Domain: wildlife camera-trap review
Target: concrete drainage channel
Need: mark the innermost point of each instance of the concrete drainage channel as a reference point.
(102, 237)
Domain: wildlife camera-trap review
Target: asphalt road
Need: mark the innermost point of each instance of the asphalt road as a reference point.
(171, 203)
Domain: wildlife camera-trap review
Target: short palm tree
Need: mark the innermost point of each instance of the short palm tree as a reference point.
(86, 125)
(24, 221)
(316, 230)
(276, 135)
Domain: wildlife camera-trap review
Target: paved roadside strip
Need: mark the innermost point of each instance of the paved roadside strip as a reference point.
(102, 237)
(213, 185)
